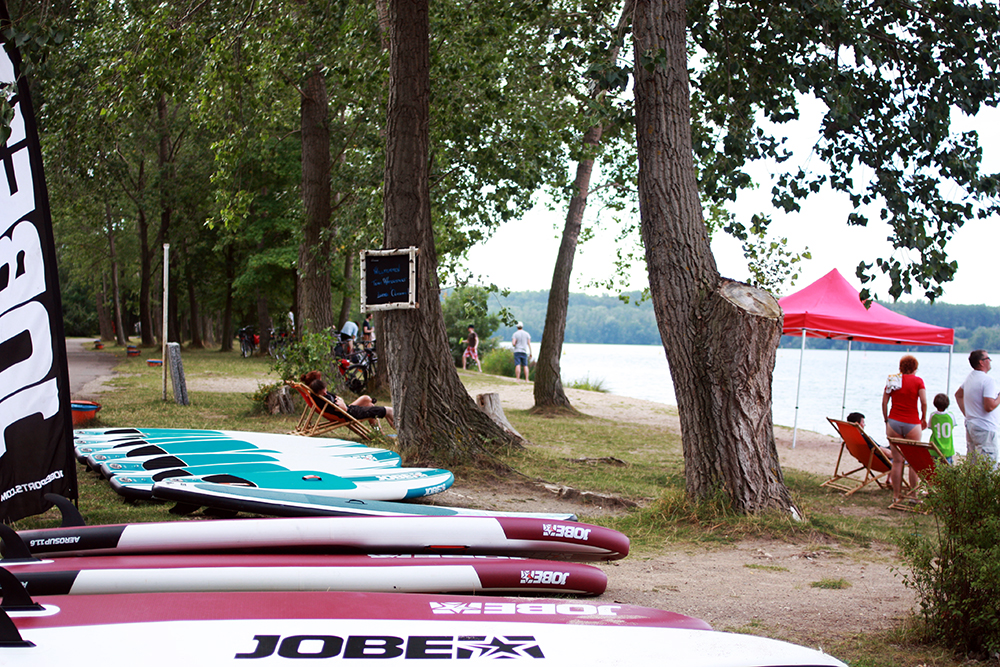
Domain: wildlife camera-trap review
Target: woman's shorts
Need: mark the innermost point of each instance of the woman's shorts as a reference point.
(361, 412)
(520, 358)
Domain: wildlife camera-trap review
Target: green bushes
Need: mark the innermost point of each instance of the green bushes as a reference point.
(501, 362)
(956, 573)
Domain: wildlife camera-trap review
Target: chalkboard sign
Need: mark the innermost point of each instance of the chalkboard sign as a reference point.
(389, 279)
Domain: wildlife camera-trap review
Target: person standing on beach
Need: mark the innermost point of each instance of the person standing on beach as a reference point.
(942, 426)
(522, 351)
(472, 349)
(905, 392)
(978, 398)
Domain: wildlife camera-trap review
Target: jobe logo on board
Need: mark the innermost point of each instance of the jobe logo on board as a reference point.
(542, 577)
(380, 647)
(565, 531)
(525, 608)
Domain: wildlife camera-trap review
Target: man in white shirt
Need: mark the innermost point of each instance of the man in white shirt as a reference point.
(522, 351)
(978, 398)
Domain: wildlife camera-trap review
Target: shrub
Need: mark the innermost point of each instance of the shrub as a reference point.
(501, 362)
(313, 352)
(956, 573)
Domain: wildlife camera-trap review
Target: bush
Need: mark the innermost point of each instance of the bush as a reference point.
(956, 573)
(313, 353)
(501, 362)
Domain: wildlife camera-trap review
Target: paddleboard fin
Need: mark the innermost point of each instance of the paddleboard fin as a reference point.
(9, 636)
(71, 516)
(13, 546)
(15, 596)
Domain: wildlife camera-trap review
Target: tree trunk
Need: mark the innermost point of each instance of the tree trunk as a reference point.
(346, 301)
(436, 418)
(264, 323)
(548, 388)
(315, 311)
(196, 340)
(227, 334)
(120, 335)
(720, 336)
(104, 323)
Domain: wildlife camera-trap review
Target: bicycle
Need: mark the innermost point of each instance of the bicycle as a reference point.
(359, 369)
(248, 341)
(278, 348)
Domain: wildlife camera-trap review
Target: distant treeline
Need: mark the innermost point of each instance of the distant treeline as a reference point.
(607, 319)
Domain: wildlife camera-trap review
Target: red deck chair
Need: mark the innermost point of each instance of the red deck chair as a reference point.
(321, 415)
(875, 465)
(923, 457)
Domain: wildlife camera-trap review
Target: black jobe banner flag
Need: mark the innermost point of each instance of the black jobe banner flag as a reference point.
(36, 425)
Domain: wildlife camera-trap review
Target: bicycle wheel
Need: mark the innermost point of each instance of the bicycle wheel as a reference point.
(356, 378)
(245, 347)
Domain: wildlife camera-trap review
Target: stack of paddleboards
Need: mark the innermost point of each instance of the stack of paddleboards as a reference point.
(271, 590)
(189, 463)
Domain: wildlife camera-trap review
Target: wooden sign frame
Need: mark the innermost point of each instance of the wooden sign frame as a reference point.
(389, 279)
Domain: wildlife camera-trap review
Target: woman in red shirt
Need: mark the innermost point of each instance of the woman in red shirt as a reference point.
(906, 392)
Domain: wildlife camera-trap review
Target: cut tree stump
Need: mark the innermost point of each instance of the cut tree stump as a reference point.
(490, 404)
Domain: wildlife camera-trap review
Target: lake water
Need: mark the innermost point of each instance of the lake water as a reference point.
(641, 371)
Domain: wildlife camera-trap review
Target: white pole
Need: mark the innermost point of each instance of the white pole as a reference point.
(163, 335)
(843, 403)
(798, 388)
(947, 384)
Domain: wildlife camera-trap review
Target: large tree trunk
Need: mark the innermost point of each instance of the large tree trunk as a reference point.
(104, 323)
(548, 378)
(196, 340)
(315, 311)
(436, 418)
(227, 334)
(346, 301)
(548, 389)
(720, 336)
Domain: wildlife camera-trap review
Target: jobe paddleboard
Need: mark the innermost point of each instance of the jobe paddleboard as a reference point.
(99, 575)
(288, 504)
(366, 484)
(384, 459)
(239, 629)
(191, 445)
(143, 450)
(505, 536)
(258, 439)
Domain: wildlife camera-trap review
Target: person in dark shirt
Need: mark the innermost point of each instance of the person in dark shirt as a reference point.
(363, 408)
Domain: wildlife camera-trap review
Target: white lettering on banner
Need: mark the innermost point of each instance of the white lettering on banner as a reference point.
(17, 194)
(31, 486)
(33, 318)
(42, 398)
(21, 252)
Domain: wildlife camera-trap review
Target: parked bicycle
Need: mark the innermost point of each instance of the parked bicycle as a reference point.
(248, 341)
(278, 347)
(358, 369)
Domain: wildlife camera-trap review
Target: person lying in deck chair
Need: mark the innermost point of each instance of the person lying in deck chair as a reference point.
(361, 409)
(859, 419)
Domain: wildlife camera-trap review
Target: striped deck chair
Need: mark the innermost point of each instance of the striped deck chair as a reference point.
(923, 457)
(321, 415)
(875, 465)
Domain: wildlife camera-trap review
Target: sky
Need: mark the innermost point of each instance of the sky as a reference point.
(521, 255)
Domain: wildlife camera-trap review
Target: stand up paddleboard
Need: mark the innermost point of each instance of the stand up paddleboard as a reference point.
(101, 575)
(316, 447)
(299, 504)
(365, 484)
(468, 535)
(239, 629)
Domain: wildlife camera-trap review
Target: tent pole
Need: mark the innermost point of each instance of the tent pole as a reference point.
(843, 402)
(947, 382)
(798, 387)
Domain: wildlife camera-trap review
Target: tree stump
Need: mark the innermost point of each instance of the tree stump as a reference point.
(279, 401)
(490, 404)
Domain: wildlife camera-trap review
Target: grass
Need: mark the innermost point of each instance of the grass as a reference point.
(654, 474)
(831, 584)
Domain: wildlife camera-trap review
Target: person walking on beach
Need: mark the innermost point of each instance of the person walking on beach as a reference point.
(522, 351)
(472, 349)
(978, 398)
(905, 391)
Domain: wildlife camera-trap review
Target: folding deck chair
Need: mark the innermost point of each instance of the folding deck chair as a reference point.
(321, 415)
(874, 463)
(923, 457)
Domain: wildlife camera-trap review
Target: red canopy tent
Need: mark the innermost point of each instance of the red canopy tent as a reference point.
(831, 308)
